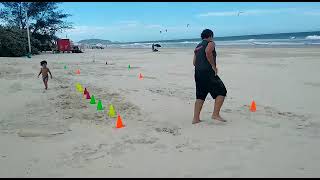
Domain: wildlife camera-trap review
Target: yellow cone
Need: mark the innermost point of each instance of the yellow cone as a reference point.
(80, 89)
(77, 86)
(111, 112)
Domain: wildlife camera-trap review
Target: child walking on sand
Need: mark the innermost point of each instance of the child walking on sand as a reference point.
(44, 71)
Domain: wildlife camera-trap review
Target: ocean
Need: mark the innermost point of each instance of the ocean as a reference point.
(300, 39)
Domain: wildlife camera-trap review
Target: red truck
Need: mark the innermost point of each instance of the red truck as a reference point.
(64, 45)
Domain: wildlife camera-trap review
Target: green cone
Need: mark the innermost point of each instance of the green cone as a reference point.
(92, 101)
(65, 67)
(99, 106)
(129, 67)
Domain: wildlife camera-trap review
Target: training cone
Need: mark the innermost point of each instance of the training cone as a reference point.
(119, 122)
(111, 112)
(80, 89)
(253, 107)
(140, 76)
(77, 86)
(92, 101)
(88, 95)
(99, 106)
(129, 67)
(85, 92)
(78, 71)
(65, 67)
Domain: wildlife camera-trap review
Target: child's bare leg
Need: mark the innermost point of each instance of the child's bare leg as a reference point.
(46, 84)
(217, 106)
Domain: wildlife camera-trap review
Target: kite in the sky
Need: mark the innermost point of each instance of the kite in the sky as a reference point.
(240, 13)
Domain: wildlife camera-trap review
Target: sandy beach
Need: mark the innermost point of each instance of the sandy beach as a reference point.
(57, 133)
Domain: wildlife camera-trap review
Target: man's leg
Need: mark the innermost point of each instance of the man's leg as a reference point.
(217, 106)
(197, 109)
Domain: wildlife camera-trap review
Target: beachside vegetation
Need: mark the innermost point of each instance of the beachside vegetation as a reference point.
(45, 20)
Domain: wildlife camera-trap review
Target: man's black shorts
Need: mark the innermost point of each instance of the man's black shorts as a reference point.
(207, 82)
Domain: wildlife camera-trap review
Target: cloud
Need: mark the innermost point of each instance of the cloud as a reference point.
(87, 29)
(312, 13)
(227, 13)
(247, 12)
(129, 23)
(153, 26)
(127, 32)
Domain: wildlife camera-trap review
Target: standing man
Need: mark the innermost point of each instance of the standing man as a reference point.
(206, 77)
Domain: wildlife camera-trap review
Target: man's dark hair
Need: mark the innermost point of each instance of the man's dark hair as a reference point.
(43, 62)
(206, 33)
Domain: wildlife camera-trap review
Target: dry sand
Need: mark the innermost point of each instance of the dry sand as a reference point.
(57, 133)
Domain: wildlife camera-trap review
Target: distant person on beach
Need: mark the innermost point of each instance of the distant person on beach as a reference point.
(154, 49)
(206, 77)
(44, 71)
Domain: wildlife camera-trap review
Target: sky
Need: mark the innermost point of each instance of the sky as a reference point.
(143, 21)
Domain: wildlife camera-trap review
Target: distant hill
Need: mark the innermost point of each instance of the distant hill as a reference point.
(226, 38)
(95, 41)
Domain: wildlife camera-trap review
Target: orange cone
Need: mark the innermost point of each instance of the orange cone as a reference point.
(78, 71)
(253, 107)
(119, 122)
(140, 76)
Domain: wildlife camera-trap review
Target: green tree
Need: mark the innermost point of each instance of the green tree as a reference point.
(45, 19)
(14, 43)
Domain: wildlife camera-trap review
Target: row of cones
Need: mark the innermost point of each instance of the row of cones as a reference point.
(78, 73)
(140, 75)
(129, 67)
(111, 113)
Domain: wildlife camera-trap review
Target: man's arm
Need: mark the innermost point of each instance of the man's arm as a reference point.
(194, 60)
(210, 56)
(50, 73)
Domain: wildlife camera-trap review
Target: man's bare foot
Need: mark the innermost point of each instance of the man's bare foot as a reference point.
(196, 121)
(218, 118)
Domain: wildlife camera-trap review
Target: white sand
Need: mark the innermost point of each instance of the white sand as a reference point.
(57, 133)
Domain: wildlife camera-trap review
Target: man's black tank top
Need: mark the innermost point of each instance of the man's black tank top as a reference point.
(202, 63)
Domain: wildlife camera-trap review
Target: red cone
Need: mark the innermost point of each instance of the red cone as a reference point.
(85, 91)
(88, 95)
(119, 122)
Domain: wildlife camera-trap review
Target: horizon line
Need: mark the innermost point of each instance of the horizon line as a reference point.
(198, 38)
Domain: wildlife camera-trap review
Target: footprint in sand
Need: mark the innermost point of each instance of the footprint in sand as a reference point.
(227, 110)
(37, 133)
(15, 87)
(172, 131)
(312, 84)
(142, 141)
